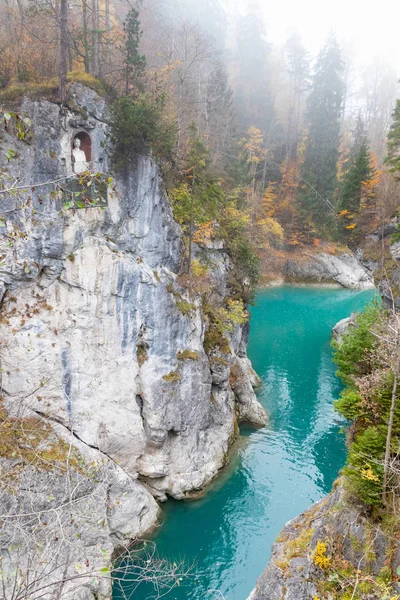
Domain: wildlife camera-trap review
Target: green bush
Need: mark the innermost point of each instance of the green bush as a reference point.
(395, 237)
(352, 354)
(349, 404)
(138, 127)
(364, 470)
(367, 401)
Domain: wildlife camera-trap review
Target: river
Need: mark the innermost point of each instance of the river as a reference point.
(276, 472)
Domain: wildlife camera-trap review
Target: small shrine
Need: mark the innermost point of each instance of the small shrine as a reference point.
(81, 152)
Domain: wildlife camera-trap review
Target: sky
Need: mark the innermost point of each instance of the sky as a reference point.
(372, 30)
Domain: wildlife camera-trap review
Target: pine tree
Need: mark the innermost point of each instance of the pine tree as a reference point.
(220, 125)
(298, 69)
(359, 172)
(324, 108)
(253, 96)
(135, 63)
(393, 143)
(359, 135)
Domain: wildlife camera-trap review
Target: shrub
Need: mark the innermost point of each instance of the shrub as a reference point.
(187, 355)
(228, 318)
(395, 237)
(319, 556)
(172, 377)
(185, 307)
(353, 354)
(364, 470)
(141, 353)
(234, 230)
(137, 127)
(213, 340)
(349, 404)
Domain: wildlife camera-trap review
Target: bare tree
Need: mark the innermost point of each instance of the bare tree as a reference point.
(57, 511)
(63, 49)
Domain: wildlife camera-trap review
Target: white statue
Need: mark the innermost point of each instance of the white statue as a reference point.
(79, 157)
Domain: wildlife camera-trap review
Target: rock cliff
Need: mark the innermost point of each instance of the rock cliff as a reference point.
(103, 354)
(331, 551)
(380, 254)
(323, 268)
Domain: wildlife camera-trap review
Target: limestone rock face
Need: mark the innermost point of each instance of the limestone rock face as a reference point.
(344, 270)
(349, 537)
(96, 325)
(343, 326)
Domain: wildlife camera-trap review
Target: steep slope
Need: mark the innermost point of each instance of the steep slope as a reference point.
(104, 347)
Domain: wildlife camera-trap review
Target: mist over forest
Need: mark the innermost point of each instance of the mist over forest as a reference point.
(295, 143)
(161, 163)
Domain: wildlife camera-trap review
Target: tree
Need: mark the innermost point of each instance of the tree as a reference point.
(63, 49)
(220, 121)
(359, 135)
(199, 196)
(392, 159)
(378, 95)
(324, 108)
(253, 96)
(357, 200)
(95, 55)
(298, 68)
(135, 63)
(358, 172)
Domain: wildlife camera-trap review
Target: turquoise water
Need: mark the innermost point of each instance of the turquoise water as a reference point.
(277, 472)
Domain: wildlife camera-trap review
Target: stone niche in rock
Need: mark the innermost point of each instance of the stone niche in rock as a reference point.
(81, 152)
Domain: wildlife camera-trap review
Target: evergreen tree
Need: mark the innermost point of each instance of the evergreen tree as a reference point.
(352, 185)
(135, 63)
(253, 96)
(359, 135)
(298, 69)
(220, 119)
(324, 108)
(393, 143)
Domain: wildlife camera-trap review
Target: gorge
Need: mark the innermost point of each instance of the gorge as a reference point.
(280, 470)
(124, 381)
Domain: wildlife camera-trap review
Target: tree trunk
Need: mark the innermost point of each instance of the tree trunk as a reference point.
(95, 39)
(85, 36)
(108, 18)
(63, 49)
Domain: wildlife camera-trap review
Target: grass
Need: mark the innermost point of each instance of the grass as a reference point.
(49, 89)
(33, 441)
(214, 340)
(295, 548)
(185, 307)
(172, 377)
(141, 354)
(187, 355)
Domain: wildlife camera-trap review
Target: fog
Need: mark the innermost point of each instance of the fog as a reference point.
(367, 31)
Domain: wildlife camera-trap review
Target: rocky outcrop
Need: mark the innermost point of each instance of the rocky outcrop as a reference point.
(322, 268)
(103, 342)
(380, 253)
(331, 549)
(343, 327)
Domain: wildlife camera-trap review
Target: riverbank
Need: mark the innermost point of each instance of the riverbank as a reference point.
(325, 265)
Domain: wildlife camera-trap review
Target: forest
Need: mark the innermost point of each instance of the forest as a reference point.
(123, 329)
(289, 150)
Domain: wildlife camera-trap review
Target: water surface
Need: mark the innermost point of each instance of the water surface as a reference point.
(278, 471)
